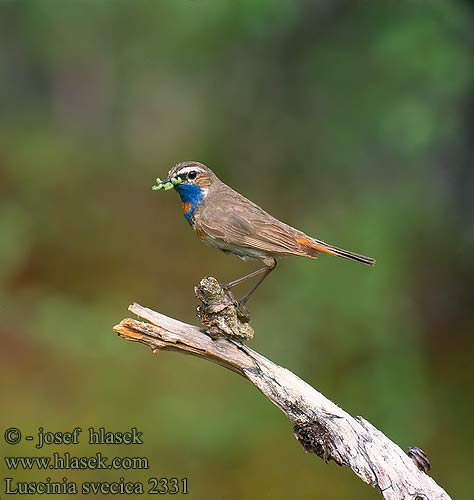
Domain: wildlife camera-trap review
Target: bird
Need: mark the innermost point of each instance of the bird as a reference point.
(226, 220)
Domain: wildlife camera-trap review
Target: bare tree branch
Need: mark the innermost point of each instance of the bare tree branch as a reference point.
(319, 425)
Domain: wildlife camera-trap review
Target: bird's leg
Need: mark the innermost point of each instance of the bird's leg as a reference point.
(242, 309)
(270, 264)
(231, 284)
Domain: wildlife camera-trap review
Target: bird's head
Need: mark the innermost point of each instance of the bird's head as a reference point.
(192, 181)
(191, 173)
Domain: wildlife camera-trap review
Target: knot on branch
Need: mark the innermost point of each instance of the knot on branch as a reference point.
(315, 438)
(420, 458)
(220, 313)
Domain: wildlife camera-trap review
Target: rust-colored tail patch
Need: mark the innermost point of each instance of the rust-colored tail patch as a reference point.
(320, 246)
(314, 245)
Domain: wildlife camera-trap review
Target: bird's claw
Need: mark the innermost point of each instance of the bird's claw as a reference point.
(243, 312)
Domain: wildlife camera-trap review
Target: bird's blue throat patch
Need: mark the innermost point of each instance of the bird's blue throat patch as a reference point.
(191, 196)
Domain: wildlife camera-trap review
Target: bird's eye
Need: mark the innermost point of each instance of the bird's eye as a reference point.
(192, 175)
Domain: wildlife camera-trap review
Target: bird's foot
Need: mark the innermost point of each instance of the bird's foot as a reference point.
(243, 312)
(226, 286)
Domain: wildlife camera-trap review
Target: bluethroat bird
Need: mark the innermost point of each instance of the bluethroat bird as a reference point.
(226, 220)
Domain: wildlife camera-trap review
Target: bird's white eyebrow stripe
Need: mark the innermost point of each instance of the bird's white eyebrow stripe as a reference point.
(186, 170)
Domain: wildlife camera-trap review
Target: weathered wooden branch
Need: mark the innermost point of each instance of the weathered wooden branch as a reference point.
(319, 425)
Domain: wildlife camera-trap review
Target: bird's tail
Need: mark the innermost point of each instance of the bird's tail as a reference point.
(321, 246)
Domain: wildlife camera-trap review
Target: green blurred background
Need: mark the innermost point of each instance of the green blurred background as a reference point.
(352, 120)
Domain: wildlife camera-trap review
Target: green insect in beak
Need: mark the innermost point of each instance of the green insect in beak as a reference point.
(167, 183)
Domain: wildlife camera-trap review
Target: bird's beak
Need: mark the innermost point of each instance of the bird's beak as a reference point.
(168, 183)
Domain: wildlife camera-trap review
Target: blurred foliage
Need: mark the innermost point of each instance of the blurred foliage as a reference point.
(351, 120)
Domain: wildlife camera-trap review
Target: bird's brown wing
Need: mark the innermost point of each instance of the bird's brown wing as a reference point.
(240, 222)
(237, 221)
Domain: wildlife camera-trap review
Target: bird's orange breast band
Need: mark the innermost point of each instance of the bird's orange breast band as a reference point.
(187, 206)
